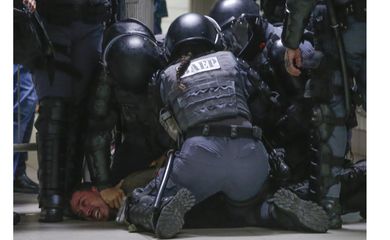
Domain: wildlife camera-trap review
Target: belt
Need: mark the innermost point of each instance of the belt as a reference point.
(232, 131)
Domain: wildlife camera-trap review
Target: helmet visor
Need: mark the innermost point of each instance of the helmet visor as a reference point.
(239, 33)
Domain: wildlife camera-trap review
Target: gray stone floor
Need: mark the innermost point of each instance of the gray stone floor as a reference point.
(30, 229)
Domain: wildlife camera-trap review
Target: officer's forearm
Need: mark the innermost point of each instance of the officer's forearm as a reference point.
(101, 120)
(297, 15)
(98, 158)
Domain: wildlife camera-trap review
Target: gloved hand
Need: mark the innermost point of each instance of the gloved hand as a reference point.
(280, 171)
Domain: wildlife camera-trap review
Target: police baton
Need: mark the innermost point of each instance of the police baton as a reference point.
(341, 51)
(167, 172)
(47, 45)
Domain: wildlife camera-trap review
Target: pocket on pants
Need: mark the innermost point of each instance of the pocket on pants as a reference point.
(200, 147)
(248, 149)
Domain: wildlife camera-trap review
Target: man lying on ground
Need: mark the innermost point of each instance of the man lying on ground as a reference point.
(87, 203)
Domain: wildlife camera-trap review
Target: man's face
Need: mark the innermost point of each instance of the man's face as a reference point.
(89, 205)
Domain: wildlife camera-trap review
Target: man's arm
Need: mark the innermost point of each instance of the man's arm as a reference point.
(297, 15)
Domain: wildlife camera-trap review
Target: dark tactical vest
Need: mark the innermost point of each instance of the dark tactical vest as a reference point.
(214, 89)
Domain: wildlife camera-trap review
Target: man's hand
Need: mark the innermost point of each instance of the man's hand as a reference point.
(113, 196)
(292, 60)
(30, 4)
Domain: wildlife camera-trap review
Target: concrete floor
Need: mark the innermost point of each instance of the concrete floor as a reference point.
(30, 229)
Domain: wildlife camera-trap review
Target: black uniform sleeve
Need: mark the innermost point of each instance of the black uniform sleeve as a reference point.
(297, 15)
(261, 99)
(101, 121)
(252, 79)
(161, 82)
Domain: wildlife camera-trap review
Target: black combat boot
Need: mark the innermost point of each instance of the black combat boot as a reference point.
(16, 218)
(279, 170)
(74, 155)
(51, 139)
(354, 174)
(333, 209)
(294, 213)
(166, 222)
(354, 188)
(23, 184)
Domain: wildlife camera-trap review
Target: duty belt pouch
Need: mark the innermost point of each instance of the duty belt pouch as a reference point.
(170, 125)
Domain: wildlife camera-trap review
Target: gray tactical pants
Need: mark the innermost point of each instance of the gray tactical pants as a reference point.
(78, 48)
(355, 47)
(207, 165)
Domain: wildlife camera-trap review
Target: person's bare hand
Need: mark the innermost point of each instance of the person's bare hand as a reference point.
(30, 4)
(113, 196)
(292, 61)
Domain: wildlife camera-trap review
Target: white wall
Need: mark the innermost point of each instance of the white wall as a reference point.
(175, 9)
(359, 140)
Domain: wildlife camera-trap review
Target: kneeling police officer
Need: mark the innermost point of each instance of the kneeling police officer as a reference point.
(220, 150)
(124, 100)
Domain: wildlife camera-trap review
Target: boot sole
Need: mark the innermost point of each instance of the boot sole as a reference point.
(50, 217)
(309, 215)
(171, 219)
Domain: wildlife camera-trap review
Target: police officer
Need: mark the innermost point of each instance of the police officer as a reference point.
(281, 110)
(125, 97)
(325, 114)
(207, 94)
(351, 15)
(75, 28)
(329, 110)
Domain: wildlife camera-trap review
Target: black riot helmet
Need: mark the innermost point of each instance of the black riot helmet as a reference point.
(130, 25)
(131, 56)
(241, 25)
(190, 30)
(223, 11)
